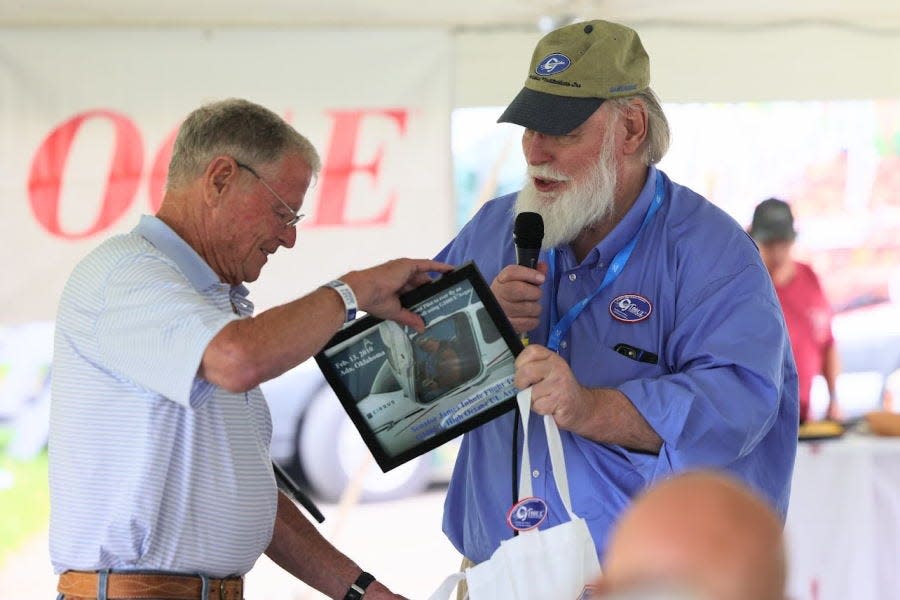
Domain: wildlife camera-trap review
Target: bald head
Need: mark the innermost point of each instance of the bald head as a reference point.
(702, 530)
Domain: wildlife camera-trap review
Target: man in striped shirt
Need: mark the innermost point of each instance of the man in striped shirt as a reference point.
(160, 476)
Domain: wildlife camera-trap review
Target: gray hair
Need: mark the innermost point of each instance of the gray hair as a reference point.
(250, 133)
(657, 143)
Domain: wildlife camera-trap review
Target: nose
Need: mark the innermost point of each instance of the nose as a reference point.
(288, 236)
(535, 148)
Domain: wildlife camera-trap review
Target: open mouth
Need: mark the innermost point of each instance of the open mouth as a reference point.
(542, 184)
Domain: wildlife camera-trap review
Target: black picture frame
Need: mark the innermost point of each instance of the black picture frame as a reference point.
(408, 392)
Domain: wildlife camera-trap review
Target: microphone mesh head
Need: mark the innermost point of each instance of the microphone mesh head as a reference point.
(528, 231)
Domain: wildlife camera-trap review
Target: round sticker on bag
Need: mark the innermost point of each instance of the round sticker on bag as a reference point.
(527, 514)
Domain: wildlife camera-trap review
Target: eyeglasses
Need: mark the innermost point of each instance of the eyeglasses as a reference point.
(295, 216)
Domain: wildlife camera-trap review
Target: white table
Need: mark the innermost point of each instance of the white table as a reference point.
(843, 524)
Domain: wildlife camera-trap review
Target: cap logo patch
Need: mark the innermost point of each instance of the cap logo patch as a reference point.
(552, 64)
(630, 308)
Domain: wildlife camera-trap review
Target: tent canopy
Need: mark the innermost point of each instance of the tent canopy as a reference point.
(882, 15)
(701, 50)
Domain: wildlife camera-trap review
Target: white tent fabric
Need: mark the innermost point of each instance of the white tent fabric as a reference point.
(701, 50)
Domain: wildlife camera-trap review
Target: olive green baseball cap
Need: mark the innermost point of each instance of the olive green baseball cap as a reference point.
(573, 70)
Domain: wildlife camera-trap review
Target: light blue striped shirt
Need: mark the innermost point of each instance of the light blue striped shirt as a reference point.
(152, 467)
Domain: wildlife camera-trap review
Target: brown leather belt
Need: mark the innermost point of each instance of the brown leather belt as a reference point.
(84, 585)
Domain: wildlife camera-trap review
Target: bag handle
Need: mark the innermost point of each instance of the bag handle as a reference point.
(557, 457)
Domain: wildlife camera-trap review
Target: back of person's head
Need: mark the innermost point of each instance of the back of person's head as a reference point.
(248, 132)
(646, 591)
(700, 531)
(574, 69)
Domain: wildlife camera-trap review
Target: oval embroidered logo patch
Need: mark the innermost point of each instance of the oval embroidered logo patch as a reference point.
(630, 308)
(527, 514)
(553, 64)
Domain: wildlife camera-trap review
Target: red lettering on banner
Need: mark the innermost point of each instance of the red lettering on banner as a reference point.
(339, 168)
(45, 178)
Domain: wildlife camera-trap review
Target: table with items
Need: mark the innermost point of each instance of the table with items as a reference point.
(843, 523)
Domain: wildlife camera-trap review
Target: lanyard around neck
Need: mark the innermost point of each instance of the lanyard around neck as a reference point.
(558, 328)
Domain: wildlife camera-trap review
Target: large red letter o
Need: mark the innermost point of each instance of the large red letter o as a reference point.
(45, 178)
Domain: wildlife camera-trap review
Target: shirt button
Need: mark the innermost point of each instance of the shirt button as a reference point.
(563, 344)
(535, 473)
(573, 277)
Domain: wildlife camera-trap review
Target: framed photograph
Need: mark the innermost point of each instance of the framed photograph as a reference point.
(409, 392)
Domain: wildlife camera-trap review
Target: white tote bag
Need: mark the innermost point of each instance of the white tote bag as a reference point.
(554, 563)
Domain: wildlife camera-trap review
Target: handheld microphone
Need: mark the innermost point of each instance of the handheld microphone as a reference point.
(528, 233)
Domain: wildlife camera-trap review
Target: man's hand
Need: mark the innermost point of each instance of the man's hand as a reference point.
(518, 290)
(555, 390)
(601, 414)
(378, 289)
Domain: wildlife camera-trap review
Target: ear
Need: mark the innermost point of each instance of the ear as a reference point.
(635, 121)
(219, 177)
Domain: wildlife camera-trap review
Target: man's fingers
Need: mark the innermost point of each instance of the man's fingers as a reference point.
(524, 325)
(527, 310)
(533, 354)
(425, 265)
(416, 280)
(517, 291)
(407, 317)
(512, 273)
(531, 367)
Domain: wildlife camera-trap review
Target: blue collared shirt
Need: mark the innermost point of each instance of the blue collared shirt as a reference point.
(152, 467)
(723, 393)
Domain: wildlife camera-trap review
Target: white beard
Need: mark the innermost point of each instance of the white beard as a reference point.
(582, 204)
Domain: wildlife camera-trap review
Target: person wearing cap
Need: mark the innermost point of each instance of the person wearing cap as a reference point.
(161, 481)
(657, 341)
(807, 311)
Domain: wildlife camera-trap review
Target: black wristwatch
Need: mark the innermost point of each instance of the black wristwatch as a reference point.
(358, 588)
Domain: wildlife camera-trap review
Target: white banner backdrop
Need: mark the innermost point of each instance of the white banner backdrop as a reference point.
(88, 117)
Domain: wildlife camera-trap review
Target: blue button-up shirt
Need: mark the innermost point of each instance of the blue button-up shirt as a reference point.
(723, 393)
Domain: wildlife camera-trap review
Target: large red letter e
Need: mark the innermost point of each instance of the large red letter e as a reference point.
(339, 168)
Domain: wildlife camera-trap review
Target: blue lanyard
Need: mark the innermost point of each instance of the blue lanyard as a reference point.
(558, 328)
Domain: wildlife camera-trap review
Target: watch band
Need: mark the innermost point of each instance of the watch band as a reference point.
(347, 295)
(358, 588)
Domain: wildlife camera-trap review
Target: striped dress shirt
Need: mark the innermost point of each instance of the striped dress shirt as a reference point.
(152, 467)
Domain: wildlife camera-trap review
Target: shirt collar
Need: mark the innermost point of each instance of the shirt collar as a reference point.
(622, 233)
(198, 272)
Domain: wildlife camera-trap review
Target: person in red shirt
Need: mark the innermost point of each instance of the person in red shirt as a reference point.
(807, 312)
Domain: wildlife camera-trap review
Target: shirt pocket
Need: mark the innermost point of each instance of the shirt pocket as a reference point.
(608, 367)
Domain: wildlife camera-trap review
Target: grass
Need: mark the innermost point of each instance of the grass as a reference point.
(25, 506)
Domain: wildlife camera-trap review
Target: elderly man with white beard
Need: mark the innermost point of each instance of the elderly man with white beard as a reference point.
(657, 341)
